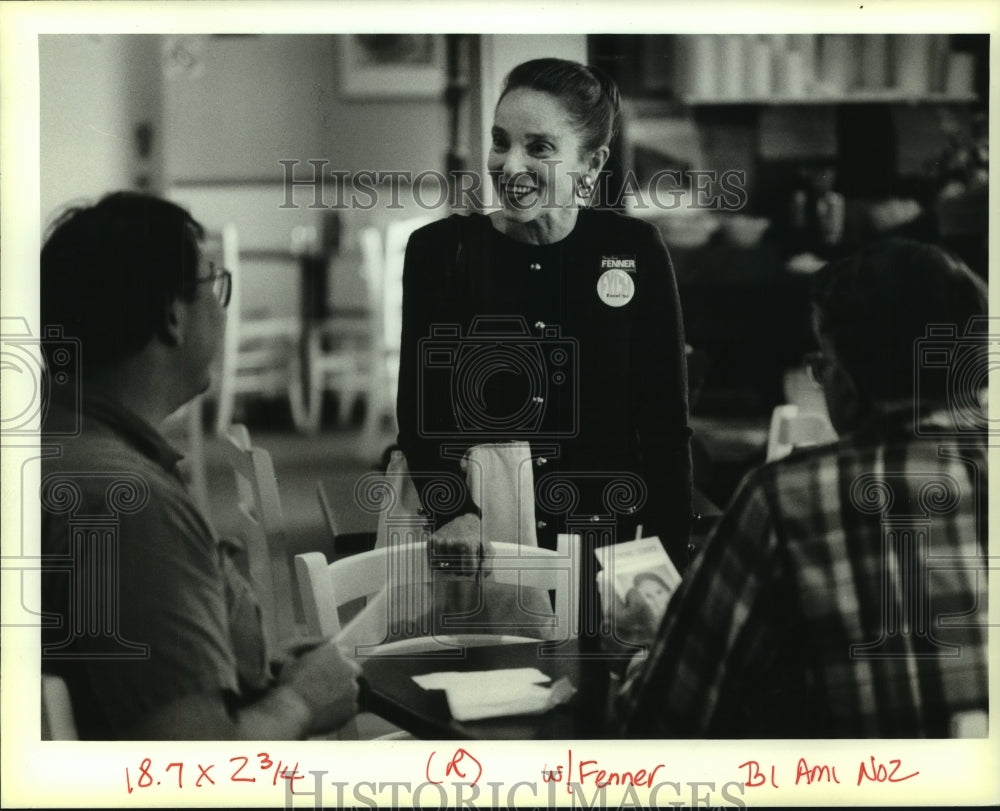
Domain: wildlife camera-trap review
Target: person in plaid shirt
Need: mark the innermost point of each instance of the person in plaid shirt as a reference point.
(843, 593)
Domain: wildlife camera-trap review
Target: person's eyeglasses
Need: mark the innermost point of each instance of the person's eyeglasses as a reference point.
(816, 364)
(222, 283)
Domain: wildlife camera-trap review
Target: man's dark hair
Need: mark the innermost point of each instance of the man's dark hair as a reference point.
(109, 270)
(874, 306)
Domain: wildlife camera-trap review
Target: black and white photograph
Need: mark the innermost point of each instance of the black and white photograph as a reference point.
(466, 408)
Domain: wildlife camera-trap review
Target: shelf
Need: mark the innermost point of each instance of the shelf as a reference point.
(856, 97)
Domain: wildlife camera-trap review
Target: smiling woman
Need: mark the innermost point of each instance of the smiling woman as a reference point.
(551, 131)
(553, 325)
(539, 166)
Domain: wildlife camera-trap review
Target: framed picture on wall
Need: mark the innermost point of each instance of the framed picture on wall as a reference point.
(380, 66)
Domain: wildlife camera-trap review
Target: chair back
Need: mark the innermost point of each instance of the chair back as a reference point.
(325, 587)
(259, 524)
(327, 510)
(186, 426)
(58, 723)
(382, 259)
(793, 428)
(361, 358)
(969, 724)
(397, 235)
(259, 356)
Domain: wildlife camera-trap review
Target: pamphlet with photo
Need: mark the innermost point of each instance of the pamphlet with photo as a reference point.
(643, 566)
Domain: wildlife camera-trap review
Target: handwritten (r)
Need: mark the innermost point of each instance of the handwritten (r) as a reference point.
(463, 764)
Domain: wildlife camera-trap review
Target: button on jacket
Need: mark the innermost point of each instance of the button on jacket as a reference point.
(576, 347)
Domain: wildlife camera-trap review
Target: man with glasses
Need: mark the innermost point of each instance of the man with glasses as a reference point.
(153, 634)
(842, 594)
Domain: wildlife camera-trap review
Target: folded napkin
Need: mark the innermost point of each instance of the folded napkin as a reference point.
(502, 483)
(492, 693)
(400, 499)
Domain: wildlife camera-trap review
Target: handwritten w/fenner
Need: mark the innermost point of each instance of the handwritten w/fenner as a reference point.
(587, 769)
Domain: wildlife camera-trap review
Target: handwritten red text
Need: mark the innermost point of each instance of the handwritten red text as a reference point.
(240, 769)
(878, 772)
(463, 765)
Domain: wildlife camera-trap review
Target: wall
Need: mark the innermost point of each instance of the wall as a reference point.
(226, 109)
(259, 99)
(93, 91)
(498, 54)
(244, 103)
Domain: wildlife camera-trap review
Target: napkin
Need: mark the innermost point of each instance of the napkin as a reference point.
(502, 483)
(493, 693)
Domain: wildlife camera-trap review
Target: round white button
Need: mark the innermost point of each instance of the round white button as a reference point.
(615, 288)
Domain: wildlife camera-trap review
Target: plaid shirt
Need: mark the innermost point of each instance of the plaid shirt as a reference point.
(843, 594)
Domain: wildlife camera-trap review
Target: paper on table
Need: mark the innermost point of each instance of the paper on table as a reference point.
(483, 680)
(492, 693)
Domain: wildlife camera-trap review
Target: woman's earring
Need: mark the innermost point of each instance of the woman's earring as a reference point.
(585, 188)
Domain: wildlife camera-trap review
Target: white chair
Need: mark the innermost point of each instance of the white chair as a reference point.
(260, 526)
(259, 356)
(793, 428)
(338, 360)
(340, 350)
(58, 723)
(187, 425)
(387, 293)
(325, 587)
(969, 724)
(365, 365)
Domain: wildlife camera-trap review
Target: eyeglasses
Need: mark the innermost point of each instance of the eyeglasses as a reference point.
(222, 283)
(816, 364)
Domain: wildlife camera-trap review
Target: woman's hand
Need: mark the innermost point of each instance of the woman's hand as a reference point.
(459, 547)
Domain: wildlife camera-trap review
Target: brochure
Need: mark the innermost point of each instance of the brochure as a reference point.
(642, 566)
